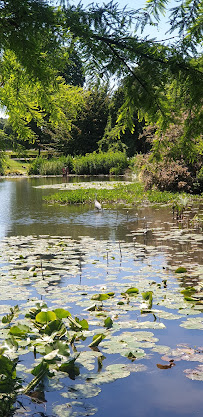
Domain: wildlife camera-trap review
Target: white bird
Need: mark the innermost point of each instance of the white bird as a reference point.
(97, 205)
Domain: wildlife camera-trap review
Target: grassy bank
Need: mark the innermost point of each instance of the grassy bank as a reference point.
(13, 166)
(132, 194)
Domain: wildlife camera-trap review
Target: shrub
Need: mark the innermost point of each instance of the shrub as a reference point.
(168, 176)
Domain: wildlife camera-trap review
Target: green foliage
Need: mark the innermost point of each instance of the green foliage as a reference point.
(90, 123)
(45, 317)
(29, 101)
(10, 385)
(96, 340)
(55, 328)
(100, 297)
(70, 368)
(180, 270)
(108, 322)
(90, 164)
(132, 291)
(104, 38)
(31, 30)
(54, 166)
(132, 194)
(19, 331)
(9, 317)
(100, 163)
(148, 296)
(61, 313)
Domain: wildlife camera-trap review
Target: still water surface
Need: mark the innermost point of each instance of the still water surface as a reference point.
(156, 392)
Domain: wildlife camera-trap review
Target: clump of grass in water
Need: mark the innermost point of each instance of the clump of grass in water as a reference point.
(127, 194)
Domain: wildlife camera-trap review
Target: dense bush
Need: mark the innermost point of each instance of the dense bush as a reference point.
(167, 176)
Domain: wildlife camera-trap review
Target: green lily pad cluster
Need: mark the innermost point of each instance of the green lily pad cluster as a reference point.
(76, 307)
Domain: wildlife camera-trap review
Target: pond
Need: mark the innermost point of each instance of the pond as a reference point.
(131, 276)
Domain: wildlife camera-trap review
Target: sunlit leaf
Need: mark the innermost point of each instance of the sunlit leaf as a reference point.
(96, 340)
(61, 313)
(45, 316)
(100, 297)
(132, 291)
(180, 270)
(108, 322)
(56, 327)
(20, 330)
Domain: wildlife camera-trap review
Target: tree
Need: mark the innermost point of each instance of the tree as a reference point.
(73, 72)
(88, 127)
(29, 100)
(117, 136)
(41, 37)
(147, 66)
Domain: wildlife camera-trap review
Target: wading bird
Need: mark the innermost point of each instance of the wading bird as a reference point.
(97, 205)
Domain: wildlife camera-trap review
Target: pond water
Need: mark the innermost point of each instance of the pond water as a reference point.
(150, 362)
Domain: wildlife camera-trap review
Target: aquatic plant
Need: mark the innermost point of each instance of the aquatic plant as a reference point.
(68, 347)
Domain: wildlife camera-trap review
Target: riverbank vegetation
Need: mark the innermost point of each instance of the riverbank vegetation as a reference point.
(65, 104)
(90, 164)
(122, 194)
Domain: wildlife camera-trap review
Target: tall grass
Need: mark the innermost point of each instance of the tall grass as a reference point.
(90, 164)
(53, 166)
(100, 163)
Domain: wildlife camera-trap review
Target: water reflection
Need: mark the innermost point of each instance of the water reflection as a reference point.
(23, 212)
(7, 196)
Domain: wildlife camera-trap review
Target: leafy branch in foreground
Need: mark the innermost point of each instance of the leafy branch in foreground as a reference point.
(110, 43)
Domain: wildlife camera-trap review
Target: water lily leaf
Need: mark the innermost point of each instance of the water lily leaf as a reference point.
(108, 322)
(39, 371)
(148, 295)
(70, 368)
(55, 328)
(8, 374)
(132, 291)
(180, 270)
(82, 390)
(96, 340)
(188, 291)
(100, 297)
(84, 324)
(81, 409)
(195, 374)
(45, 316)
(135, 354)
(77, 324)
(61, 313)
(192, 323)
(20, 330)
(61, 346)
(51, 355)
